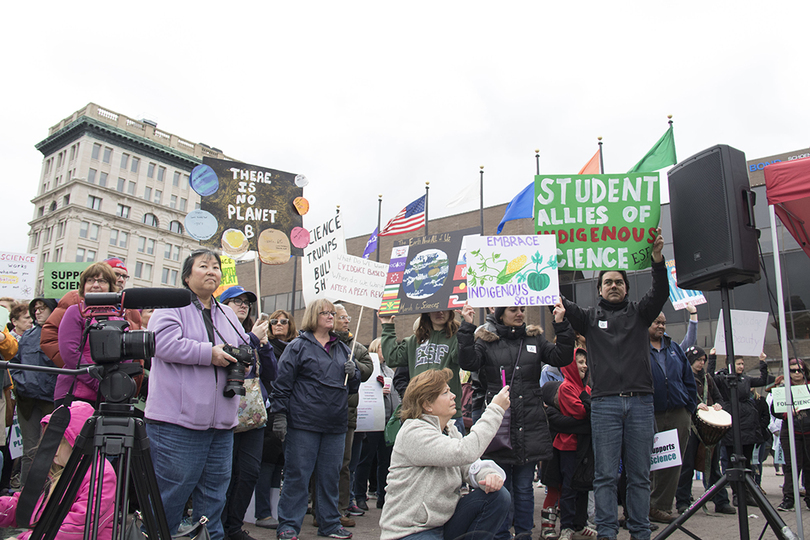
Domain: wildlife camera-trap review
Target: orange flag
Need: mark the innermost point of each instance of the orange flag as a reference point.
(592, 167)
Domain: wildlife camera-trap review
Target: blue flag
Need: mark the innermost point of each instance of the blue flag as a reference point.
(371, 245)
(522, 206)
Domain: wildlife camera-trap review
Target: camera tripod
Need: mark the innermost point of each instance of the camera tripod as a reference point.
(114, 432)
(738, 475)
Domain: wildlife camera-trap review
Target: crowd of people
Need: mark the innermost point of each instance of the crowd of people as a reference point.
(242, 405)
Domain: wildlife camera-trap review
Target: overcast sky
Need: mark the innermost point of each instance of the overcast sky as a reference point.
(368, 98)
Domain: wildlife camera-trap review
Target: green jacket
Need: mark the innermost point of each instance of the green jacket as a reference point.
(438, 352)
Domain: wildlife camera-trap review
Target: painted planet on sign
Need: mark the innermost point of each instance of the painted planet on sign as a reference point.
(299, 237)
(201, 225)
(234, 242)
(301, 180)
(274, 247)
(204, 180)
(301, 204)
(425, 274)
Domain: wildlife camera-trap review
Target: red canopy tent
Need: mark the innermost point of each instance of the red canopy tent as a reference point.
(788, 190)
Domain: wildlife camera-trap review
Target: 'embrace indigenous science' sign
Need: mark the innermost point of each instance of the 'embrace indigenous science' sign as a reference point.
(357, 280)
(61, 278)
(426, 274)
(512, 271)
(245, 207)
(326, 240)
(602, 221)
(18, 272)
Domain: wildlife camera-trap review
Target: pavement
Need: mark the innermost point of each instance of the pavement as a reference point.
(703, 525)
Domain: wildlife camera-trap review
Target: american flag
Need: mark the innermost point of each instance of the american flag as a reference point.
(409, 219)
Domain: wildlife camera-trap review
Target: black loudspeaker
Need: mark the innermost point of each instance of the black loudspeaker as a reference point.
(713, 229)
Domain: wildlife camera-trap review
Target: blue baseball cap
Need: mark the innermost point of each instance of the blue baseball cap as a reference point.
(233, 292)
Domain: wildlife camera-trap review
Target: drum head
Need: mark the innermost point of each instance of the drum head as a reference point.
(715, 418)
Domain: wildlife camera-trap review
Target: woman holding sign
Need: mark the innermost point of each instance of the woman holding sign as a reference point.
(512, 354)
(799, 375)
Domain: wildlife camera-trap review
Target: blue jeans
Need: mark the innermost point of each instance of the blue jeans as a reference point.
(305, 452)
(374, 445)
(521, 512)
(269, 478)
(192, 463)
(247, 460)
(478, 515)
(622, 424)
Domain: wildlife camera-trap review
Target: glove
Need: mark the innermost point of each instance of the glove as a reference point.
(280, 426)
(348, 367)
(381, 380)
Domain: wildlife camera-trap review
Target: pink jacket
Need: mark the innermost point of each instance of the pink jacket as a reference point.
(73, 526)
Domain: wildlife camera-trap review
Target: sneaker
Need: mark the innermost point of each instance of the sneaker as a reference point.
(567, 534)
(380, 502)
(339, 533)
(289, 534)
(548, 523)
(785, 506)
(267, 523)
(354, 510)
(362, 505)
(725, 509)
(240, 535)
(585, 533)
(660, 516)
(346, 521)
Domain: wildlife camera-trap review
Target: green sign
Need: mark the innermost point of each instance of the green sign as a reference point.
(61, 278)
(602, 221)
(228, 275)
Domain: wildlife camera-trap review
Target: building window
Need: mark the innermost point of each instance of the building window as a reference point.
(183, 203)
(80, 255)
(102, 179)
(93, 231)
(59, 160)
(173, 201)
(46, 256)
(91, 176)
(150, 170)
(147, 193)
(107, 154)
(34, 240)
(146, 245)
(60, 229)
(161, 174)
(113, 237)
(151, 220)
(47, 235)
(66, 200)
(121, 185)
(176, 227)
(41, 211)
(169, 277)
(131, 188)
(143, 271)
(122, 211)
(124, 160)
(176, 179)
(91, 255)
(72, 152)
(168, 253)
(135, 163)
(57, 257)
(96, 151)
(158, 196)
(94, 202)
(123, 238)
(176, 253)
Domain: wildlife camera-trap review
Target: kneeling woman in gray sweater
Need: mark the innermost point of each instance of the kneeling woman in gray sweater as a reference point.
(431, 461)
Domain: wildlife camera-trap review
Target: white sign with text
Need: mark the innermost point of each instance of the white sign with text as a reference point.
(748, 329)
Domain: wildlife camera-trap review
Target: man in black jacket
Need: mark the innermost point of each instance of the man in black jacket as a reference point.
(622, 423)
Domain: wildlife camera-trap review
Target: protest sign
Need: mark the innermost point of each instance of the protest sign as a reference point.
(666, 450)
(15, 440)
(251, 208)
(18, 272)
(370, 405)
(326, 240)
(602, 221)
(512, 271)
(748, 329)
(681, 297)
(800, 394)
(229, 278)
(426, 274)
(357, 280)
(61, 278)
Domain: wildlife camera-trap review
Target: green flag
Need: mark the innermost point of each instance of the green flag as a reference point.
(661, 155)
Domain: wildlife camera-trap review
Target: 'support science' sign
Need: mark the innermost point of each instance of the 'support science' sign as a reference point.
(357, 280)
(602, 222)
(512, 271)
(666, 450)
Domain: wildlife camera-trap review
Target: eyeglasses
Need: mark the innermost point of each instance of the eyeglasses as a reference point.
(610, 282)
(122, 276)
(328, 313)
(274, 322)
(40, 308)
(799, 370)
(345, 318)
(240, 302)
(93, 281)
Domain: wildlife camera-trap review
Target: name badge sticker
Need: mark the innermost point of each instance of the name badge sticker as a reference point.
(531, 348)
(603, 324)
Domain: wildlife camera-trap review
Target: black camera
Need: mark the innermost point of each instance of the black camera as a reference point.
(110, 343)
(235, 382)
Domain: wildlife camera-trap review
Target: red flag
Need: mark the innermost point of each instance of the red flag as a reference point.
(592, 167)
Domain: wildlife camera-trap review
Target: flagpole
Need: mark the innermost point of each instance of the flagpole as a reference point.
(379, 245)
(481, 206)
(295, 278)
(601, 157)
(542, 311)
(675, 155)
(537, 159)
(427, 188)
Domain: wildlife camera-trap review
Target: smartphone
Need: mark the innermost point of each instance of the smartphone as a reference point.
(264, 317)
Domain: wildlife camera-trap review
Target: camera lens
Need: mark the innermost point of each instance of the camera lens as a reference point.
(137, 344)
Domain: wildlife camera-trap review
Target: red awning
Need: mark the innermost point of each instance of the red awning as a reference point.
(788, 189)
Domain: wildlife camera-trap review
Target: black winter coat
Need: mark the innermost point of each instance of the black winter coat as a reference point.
(749, 420)
(489, 352)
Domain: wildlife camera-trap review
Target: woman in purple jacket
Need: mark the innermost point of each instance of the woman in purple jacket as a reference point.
(189, 419)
